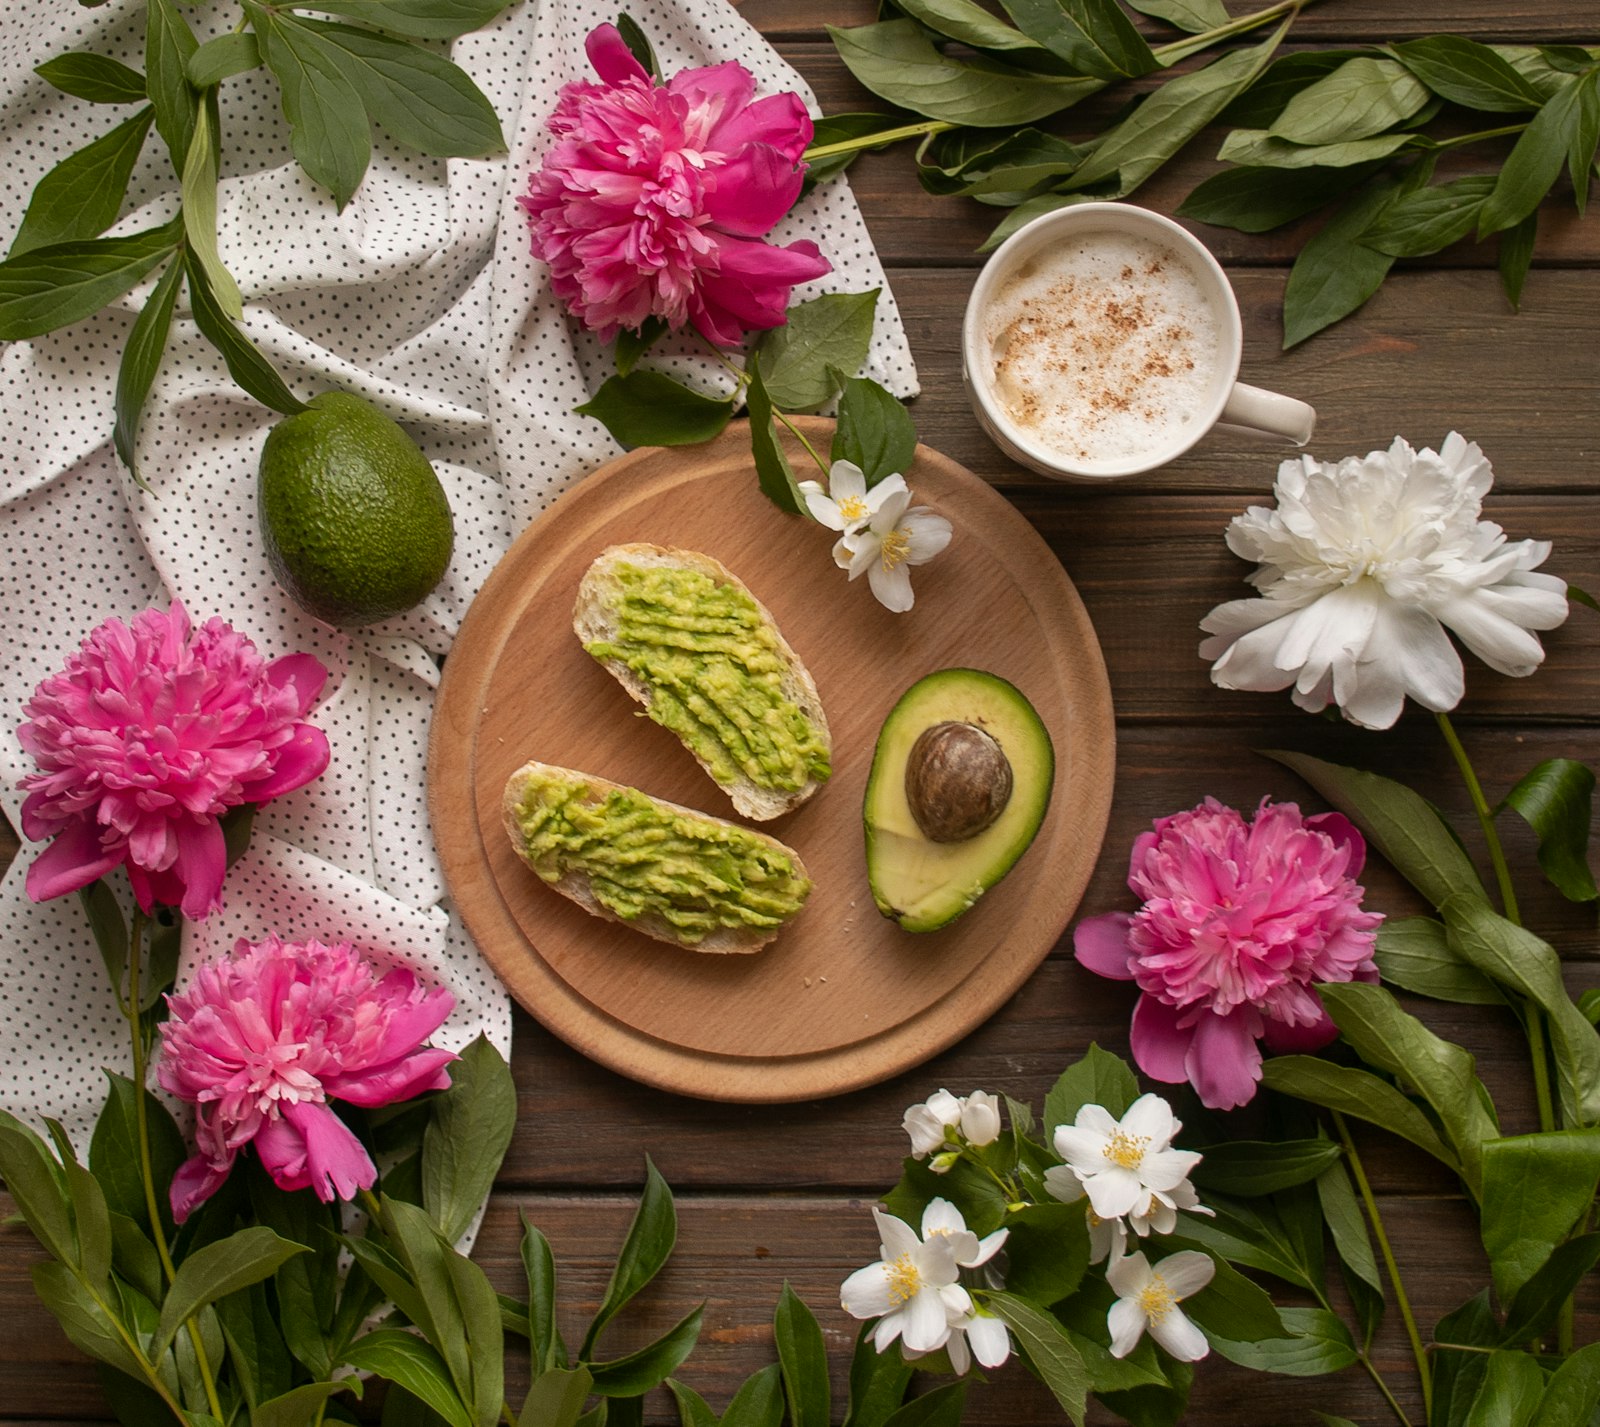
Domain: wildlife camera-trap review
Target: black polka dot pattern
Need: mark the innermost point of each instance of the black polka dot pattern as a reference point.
(421, 296)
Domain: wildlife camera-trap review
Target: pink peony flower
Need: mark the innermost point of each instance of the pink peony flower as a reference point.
(147, 736)
(654, 199)
(1239, 920)
(261, 1041)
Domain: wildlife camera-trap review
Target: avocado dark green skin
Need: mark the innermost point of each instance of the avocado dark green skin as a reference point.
(925, 885)
(355, 524)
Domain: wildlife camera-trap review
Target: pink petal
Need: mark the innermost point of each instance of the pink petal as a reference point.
(1101, 944)
(1283, 1039)
(202, 863)
(750, 290)
(73, 860)
(779, 119)
(1159, 1044)
(753, 191)
(1343, 833)
(1224, 1061)
(302, 758)
(335, 1160)
(196, 1181)
(304, 673)
(715, 93)
(384, 1084)
(613, 61)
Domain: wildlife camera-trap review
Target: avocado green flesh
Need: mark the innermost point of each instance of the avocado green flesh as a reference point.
(925, 885)
(715, 675)
(642, 858)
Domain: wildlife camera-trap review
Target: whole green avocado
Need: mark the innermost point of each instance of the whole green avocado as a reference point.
(354, 521)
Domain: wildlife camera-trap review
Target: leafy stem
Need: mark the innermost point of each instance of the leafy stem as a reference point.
(800, 437)
(1461, 140)
(743, 378)
(872, 141)
(1424, 1366)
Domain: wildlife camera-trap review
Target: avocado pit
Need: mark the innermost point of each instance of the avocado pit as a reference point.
(958, 781)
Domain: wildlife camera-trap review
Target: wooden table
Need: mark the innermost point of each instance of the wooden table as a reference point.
(768, 1194)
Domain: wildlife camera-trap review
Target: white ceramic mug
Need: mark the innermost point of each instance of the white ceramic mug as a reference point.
(1226, 401)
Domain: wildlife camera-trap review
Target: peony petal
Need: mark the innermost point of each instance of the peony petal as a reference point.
(383, 1085)
(202, 863)
(74, 859)
(295, 763)
(196, 1181)
(1160, 1045)
(1224, 1061)
(1101, 944)
(1480, 622)
(613, 61)
(335, 1159)
(753, 190)
(304, 673)
(779, 120)
(1284, 1039)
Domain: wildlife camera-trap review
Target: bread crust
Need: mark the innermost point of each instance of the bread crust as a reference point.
(593, 619)
(575, 886)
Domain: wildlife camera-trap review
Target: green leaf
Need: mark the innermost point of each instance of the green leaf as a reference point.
(226, 1266)
(136, 374)
(328, 126)
(469, 1131)
(773, 470)
(1285, 77)
(91, 1219)
(1466, 72)
(979, 162)
(424, 1260)
(556, 1397)
(1047, 1250)
(631, 345)
(545, 1348)
(1321, 1344)
(1363, 97)
(1341, 1211)
(943, 1407)
(1230, 1306)
(1535, 163)
(1358, 1093)
(200, 211)
(1532, 1314)
(1414, 954)
(758, 1402)
(401, 1409)
(404, 1358)
(1557, 801)
(1252, 1235)
(693, 1410)
(84, 1319)
(291, 1409)
(133, 1256)
(1048, 1349)
(1192, 16)
(1517, 958)
(97, 78)
(1400, 824)
(1585, 139)
(53, 287)
(1535, 1189)
(1141, 1368)
(878, 1382)
(1516, 257)
(108, 927)
(1094, 37)
(638, 43)
(222, 57)
(838, 129)
(896, 61)
(114, 1152)
(803, 1358)
(1513, 1383)
(874, 431)
(1444, 1074)
(968, 22)
(1456, 1376)
(478, 1308)
(1098, 1078)
(649, 1366)
(168, 44)
(1254, 1168)
(825, 333)
(82, 195)
(1171, 116)
(1256, 200)
(392, 1278)
(424, 101)
(425, 19)
(645, 1250)
(255, 1345)
(1257, 146)
(648, 409)
(246, 365)
(1429, 219)
(36, 1183)
(1573, 1392)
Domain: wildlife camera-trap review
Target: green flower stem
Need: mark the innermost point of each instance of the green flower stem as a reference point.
(1461, 140)
(1424, 1366)
(369, 1202)
(872, 141)
(146, 1166)
(800, 437)
(743, 378)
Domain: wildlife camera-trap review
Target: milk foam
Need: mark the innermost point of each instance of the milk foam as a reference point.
(1105, 348)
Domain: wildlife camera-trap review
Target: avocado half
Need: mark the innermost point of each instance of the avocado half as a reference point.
(924, 885)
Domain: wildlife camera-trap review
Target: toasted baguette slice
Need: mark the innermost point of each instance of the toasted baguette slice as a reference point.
(597, 617)
(574, 876)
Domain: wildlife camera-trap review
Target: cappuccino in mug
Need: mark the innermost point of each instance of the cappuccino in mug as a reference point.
(1106, 349)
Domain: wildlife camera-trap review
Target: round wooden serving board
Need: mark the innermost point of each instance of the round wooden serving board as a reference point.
(843, 997)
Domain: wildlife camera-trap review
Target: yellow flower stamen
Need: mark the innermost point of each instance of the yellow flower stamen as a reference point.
(904, 1280)
(896, 546)
(1156, 1299)
(1124, 1150)
(852, 507)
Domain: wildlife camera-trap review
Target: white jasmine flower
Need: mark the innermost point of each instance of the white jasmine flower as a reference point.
(1363, 565)
(980, 1118)
(891, 541)
(1127, 1166)
(1108, 1238)
(942, 1220)
(984, 1335)
(913, 1292)
(1149, 1298)
(847, 504)
(927, 1122)
(974, 1333)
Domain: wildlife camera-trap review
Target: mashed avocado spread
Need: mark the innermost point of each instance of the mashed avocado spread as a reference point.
(695, 873)
(715, 676)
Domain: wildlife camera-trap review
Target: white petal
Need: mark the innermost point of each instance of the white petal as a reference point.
(927, 1325)
(1063, 1184)
(1178, 1336)
(1251, 662)
(864, 548)
(1130, 1276)
(991, 1344)
(941, 1216)
(980, 1118)
(891, 587)
(1151, 1117)
(956, 1347)
(945, 1107)
(926, 534)
(896, 1235)
(1480, 623)
(843, 553)
(927, 1134)
(1083, 1149)
(845, 478)
(888, 1330)
(986, 1249)
(1127, 1323)
(1114, 1191)
(888, 486)
(1186, 1273)
(823, 510)
(1167, 1168)
(865, 1294)
(888, 513)
(1097, 1118)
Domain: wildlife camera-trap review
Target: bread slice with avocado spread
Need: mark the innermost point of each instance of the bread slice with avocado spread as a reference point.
(668, 871)
(688, 640)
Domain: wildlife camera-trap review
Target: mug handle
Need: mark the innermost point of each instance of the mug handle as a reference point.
(1250, 408)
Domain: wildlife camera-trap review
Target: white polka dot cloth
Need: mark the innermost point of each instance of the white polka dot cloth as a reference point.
(421, 296)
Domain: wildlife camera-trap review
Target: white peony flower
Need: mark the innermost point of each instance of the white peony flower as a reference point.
(980, 1118)
(891, 541)
(1363, 565)
(847, 504)
(927, 1122)
(1128, 1166)
(1149, 1298)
